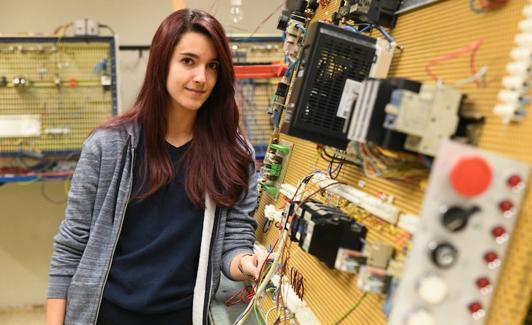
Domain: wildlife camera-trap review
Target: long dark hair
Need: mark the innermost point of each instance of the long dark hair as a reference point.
(218, 158)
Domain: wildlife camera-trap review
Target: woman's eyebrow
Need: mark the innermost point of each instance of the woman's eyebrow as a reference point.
(194, 55)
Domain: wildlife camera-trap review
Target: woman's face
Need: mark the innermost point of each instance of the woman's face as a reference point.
(193, 72)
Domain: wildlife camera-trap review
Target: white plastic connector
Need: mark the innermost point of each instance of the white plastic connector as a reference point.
(505, 111)
(523, 39)
(288, 191)
(521, 53)
(408, 222)
(84, 27)
(514, 82)
(385, 211)
(509, 97)
(526, 25)
(271, 213)
(298, 307)
(518, 68)
(527, 11)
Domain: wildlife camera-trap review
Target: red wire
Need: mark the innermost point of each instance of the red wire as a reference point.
(472, 48)
(244, 295)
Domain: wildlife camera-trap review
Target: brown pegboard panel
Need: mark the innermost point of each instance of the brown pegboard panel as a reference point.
(426, 33)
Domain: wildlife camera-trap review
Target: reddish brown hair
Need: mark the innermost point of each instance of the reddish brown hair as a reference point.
(218, 157)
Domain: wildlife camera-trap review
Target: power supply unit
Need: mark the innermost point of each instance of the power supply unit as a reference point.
(334, 62)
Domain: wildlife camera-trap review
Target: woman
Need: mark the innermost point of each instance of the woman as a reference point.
(163, 195)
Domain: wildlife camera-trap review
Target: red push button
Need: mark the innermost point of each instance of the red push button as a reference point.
(507, 208)
(492, 259)
(475, 307)
(471, 176)
(515, 182)
(483, 282)
(476, 310)
(484, 285)
(498, 231)
(500, 234)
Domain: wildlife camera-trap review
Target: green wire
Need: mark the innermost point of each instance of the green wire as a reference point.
(259, 320)
(344, 316)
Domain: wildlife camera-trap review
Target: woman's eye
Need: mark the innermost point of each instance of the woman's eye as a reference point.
(187, 61)
(214, 66)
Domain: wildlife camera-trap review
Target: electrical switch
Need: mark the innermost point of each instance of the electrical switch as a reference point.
(444, 255)
(471, 176)
(455, 218)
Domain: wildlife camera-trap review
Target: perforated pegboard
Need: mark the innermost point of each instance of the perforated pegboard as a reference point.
(254, 98)
(254, 95)
(426, 33)
(65, 90)
(256, 49)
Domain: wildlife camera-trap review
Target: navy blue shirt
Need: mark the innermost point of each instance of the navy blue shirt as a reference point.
(155, 263)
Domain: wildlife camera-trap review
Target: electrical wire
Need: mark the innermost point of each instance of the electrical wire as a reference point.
(386, 35)
(47, 198)
(355, 306)
(213, 3)
(472, 48)
(280, 6)
(281, 254)
(108, 28)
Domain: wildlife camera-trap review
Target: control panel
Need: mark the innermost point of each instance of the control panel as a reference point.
(468, 216)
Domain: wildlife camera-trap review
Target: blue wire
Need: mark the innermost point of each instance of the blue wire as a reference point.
(290, 68)
(351, 28)
(383, 32)
(301, 28)
(365, 28)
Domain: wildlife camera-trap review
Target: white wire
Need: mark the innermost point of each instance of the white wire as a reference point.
(240, 320)
(477, 76)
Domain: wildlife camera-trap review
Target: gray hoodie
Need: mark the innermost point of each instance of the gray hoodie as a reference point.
(87, 238)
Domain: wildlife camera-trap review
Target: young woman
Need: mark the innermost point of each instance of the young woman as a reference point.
(163, 196)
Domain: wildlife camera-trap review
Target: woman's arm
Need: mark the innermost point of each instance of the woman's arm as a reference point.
(70, 242)
(55, 311)
(240, 231)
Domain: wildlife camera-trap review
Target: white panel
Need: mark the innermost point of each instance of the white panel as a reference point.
(12, 126)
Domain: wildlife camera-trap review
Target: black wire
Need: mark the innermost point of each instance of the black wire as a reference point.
(108, 28)
(47, 198)
(325, 156)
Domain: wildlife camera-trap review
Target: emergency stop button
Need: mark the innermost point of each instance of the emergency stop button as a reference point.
(471, 176)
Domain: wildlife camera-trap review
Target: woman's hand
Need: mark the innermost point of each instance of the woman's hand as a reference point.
(248, 266)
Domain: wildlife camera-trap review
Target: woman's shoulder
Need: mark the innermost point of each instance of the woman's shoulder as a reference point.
(108, 139)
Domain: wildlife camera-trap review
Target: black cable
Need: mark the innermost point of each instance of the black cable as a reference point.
(327, 158)
(108, 28)
(47, 198)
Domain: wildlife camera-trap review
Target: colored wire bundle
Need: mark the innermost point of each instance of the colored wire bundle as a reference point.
(377, 162)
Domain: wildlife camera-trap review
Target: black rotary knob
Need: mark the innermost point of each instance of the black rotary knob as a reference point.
(455, 218)
(443, 254)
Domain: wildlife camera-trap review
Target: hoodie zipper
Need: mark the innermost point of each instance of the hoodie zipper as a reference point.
(119, 230)
(214, 236)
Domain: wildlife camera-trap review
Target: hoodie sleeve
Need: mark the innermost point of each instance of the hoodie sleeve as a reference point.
(241, 224)
(70, 242)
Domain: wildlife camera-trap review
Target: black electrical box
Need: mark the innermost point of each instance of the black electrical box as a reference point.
(331, 55)
(380, 12)
(321, 230)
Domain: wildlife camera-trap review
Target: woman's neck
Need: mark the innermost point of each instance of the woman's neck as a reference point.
(180, 126)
